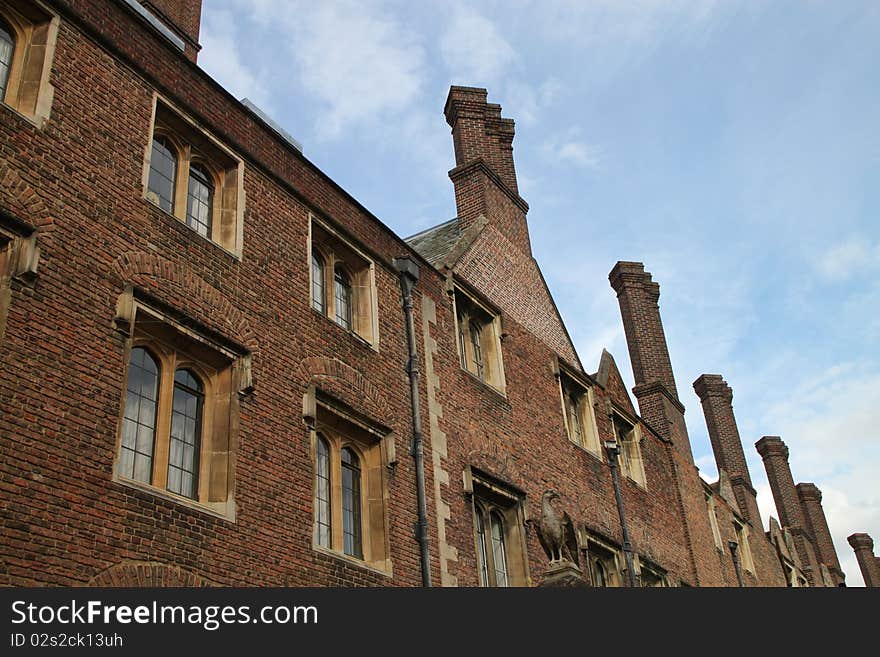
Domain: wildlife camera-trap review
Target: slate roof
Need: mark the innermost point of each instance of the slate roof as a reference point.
(435, 243)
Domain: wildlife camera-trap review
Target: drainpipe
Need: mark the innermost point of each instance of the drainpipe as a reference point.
(613, 449)
(733, 545)
(409, 275)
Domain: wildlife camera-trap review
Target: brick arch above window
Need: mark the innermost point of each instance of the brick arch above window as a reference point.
(348, 385)
(144, 574)
(177, 285)
(20, 200)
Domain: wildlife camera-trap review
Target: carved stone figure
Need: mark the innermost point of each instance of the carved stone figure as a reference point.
(556, 531)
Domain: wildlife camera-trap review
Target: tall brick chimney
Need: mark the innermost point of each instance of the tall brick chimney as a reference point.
(183, 17)
(863, 546)
(774, 452)
(484, 175)
(655, 389)
(717, 400)
(811, 503)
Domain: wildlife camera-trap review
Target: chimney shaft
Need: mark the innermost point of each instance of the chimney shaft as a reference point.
(774, 452)
(484, 174)
(655, 389)
(863, 546)
(717, 400)
(811, 503)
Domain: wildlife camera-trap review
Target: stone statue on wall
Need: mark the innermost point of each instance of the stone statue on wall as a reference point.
(556, 531)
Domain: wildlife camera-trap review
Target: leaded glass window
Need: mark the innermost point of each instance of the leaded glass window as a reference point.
(499, 551)
(163, 170)
(186, 429)
(318, 283)
(351, 503)
(7, 51)
(139, 421)
(477, 350)
(199, 201)
(482, 561)
(322, 492)
(343, 299)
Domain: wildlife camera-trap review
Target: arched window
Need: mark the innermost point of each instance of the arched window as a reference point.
(351, 503)
(343, 299)
(163, 171)
(186, 431)
(139, 422)
(462, 343)
(499, 552)
(322, 492)
(7, 50)
(318, 283)
(477, 349)
(199, 200)
(600, 577)
(482, 561)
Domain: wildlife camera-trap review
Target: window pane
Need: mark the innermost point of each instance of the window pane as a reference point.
(139, 421)
(574, 419)
(351, 504)
(199, 201)
(322, 492)
(461, 342)
(7, 50)
(499, 553)
(163, 169)
(343, 299)
(482, 560)
(318, 283)
(477, 349)
(186, 424)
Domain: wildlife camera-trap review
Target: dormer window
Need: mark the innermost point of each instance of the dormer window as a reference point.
(578, 414)
(628, 438)
(479, 343)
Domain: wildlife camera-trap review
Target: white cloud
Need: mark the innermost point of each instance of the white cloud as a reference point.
(569, 148)
(357, 60)
(222, 60)
(473, 49)
(848, 258)
(579, 153)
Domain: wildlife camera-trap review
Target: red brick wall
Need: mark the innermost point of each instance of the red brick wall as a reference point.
(64, 520)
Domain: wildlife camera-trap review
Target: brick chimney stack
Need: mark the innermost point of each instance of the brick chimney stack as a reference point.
(811, 503)
(774, 452)
(183, 17)
(484, 175)
(655, 389)
(717, 400)
(863, 546)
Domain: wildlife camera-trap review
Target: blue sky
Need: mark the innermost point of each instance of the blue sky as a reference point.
(733, 147)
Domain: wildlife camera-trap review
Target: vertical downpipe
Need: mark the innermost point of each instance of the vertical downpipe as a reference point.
(409, 276)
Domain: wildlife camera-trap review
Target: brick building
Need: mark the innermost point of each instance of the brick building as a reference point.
(206, 374)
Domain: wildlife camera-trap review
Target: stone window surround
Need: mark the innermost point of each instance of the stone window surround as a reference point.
(468, 311)
(645, 570)
(374, 445)
(585, 403)
(713, 522)
(633, 445)
(35, 28)
(224, 374)
(194, 145)
(745, 551)
(337, 251)
(19, 258)
(608, 553)
(492, 495)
